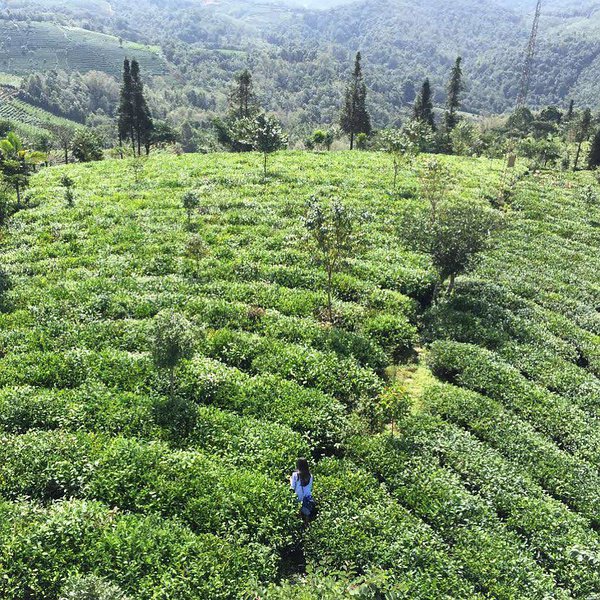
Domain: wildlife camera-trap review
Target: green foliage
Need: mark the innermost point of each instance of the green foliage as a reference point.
(87, 146)
(355, 118)
(423, 109)
(268, 137)
(191, 202)
(333, 230)
(173, 342)
(486, 486)
(594, 155)
(91, 588)
(17, 163)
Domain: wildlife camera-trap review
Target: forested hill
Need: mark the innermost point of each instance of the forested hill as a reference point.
(301, 56)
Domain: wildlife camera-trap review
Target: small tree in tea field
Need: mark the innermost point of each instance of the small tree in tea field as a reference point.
(196, 249)
(453, 236)
(173, 342)
(335, 235)
(400, 147)
(17, 163)
(268, 138)
(67, 183)
(395, 404)
(191, 202)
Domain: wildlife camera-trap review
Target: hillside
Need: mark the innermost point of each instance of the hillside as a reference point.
(31, 46)
(489, 488)
(301, 52)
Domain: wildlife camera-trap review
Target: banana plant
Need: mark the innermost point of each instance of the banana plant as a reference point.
(17, 163)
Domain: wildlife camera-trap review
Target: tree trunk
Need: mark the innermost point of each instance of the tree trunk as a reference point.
(451, 284)
(577, 156)
(171, 382)
(66, 155)
(329, 299)
(265, 165)
(352, 140)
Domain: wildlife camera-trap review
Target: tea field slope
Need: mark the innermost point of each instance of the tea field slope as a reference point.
(489, 489)
(39, 46)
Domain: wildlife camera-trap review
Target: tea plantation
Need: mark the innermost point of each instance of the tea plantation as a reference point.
(489, 488)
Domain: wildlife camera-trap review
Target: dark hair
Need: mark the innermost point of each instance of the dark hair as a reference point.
(303, 471)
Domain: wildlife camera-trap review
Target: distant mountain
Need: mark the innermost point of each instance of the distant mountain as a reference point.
(301, 56)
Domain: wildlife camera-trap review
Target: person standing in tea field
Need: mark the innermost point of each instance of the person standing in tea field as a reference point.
(301, 482)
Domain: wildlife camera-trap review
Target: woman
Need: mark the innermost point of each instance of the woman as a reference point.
(301, 483)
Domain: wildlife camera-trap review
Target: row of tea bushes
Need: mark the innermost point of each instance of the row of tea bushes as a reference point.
(146, 556)
(564, 476)
(493, 558)
(211, 497)
(559, 538)
(242, 441)
(480, 370)
(359, 525)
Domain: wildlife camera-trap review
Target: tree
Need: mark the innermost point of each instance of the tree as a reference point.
(242, 100)
(453, 234)
(142, 118)
(334, 233)
(355, 118)
(402, 149)
(68, 184)
(570, 111)
(87, 146)
(395, 403)
(455, 88)
(17, 163)
(125, 112)
(173, 342)
(190, 202)
(594, 156)
(423, 109)
(583, 129)
(268, 137)
(63, 134)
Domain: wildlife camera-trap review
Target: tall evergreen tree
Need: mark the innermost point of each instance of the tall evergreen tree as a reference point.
(142, 117)
(455, 88)
(571, 111)
(423, 110)
(125, 111)
(594, 157)
(355, 118)
(242, 100)
(582, 133)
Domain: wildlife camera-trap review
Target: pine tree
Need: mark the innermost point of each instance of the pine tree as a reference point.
(571, 111)
(582, 134)
(423, 110)
(355, 118)
(594, 157)
(125, 110)
(142, 118)
(242, 100)
(455, 87)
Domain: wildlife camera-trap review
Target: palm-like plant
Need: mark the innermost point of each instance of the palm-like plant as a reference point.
(17, 163)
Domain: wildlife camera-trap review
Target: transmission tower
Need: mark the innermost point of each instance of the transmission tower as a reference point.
(529, 56)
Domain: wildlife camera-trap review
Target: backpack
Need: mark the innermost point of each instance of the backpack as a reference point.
(309, 507)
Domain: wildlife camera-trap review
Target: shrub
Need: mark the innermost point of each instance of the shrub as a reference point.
(393, 333)
(91, 588)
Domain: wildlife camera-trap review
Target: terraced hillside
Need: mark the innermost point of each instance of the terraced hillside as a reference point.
(27, 119)
(488, 489)
(26, 47)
